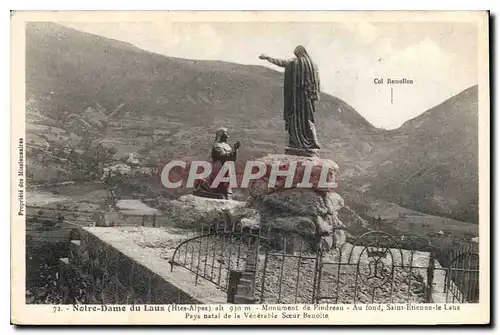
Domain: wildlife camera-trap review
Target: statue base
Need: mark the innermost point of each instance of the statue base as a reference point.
(302, 152)
(210, 195)
(261, 186)
(311, 212)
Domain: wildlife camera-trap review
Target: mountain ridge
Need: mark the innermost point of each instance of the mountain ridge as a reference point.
(434, 158)
(162, 108)
(167, 87)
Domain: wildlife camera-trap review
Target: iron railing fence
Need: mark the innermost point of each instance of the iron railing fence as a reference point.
(290, 267)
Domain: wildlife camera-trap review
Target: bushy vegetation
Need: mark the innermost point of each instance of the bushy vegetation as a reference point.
(83, 163)
(42, 267)
(91, 161)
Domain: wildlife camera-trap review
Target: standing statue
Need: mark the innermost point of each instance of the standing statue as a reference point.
(221, 153)
(301, 92)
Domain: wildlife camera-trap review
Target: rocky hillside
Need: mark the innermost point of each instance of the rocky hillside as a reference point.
(430, 163)
(88, 89)
(163, 107)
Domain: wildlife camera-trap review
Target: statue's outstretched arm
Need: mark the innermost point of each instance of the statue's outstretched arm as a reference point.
(276, 61)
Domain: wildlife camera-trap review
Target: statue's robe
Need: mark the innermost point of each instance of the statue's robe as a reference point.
(301, 92)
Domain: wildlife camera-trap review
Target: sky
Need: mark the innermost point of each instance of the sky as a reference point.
(440, 58)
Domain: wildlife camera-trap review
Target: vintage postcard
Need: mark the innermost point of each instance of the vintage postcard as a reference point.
(318, 168)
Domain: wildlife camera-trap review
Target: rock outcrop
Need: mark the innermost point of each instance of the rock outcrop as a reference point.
(307, 213)
(289, 216)
(190, 211)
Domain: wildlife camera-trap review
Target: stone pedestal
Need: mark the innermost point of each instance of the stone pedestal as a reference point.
(300, 214)
(310, 212)
(318, 167)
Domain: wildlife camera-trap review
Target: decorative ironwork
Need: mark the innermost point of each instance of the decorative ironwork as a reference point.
(284, 267)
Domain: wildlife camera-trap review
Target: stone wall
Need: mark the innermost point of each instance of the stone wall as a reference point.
(108, 276)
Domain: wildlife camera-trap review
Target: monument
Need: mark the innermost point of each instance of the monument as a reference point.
(311, 211)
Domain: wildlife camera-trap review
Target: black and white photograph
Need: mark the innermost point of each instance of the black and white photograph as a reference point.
(219, 161)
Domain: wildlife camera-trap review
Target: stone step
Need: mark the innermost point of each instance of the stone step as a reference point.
(248, 275)
(247, 282)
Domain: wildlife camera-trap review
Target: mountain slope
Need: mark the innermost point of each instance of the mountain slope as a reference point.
(431, 162)
(81, 87)
(168, 107)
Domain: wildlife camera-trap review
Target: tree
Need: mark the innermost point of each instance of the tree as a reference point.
(90, 163)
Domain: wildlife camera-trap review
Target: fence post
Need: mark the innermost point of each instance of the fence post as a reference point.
(234, 280)
(430, 276)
